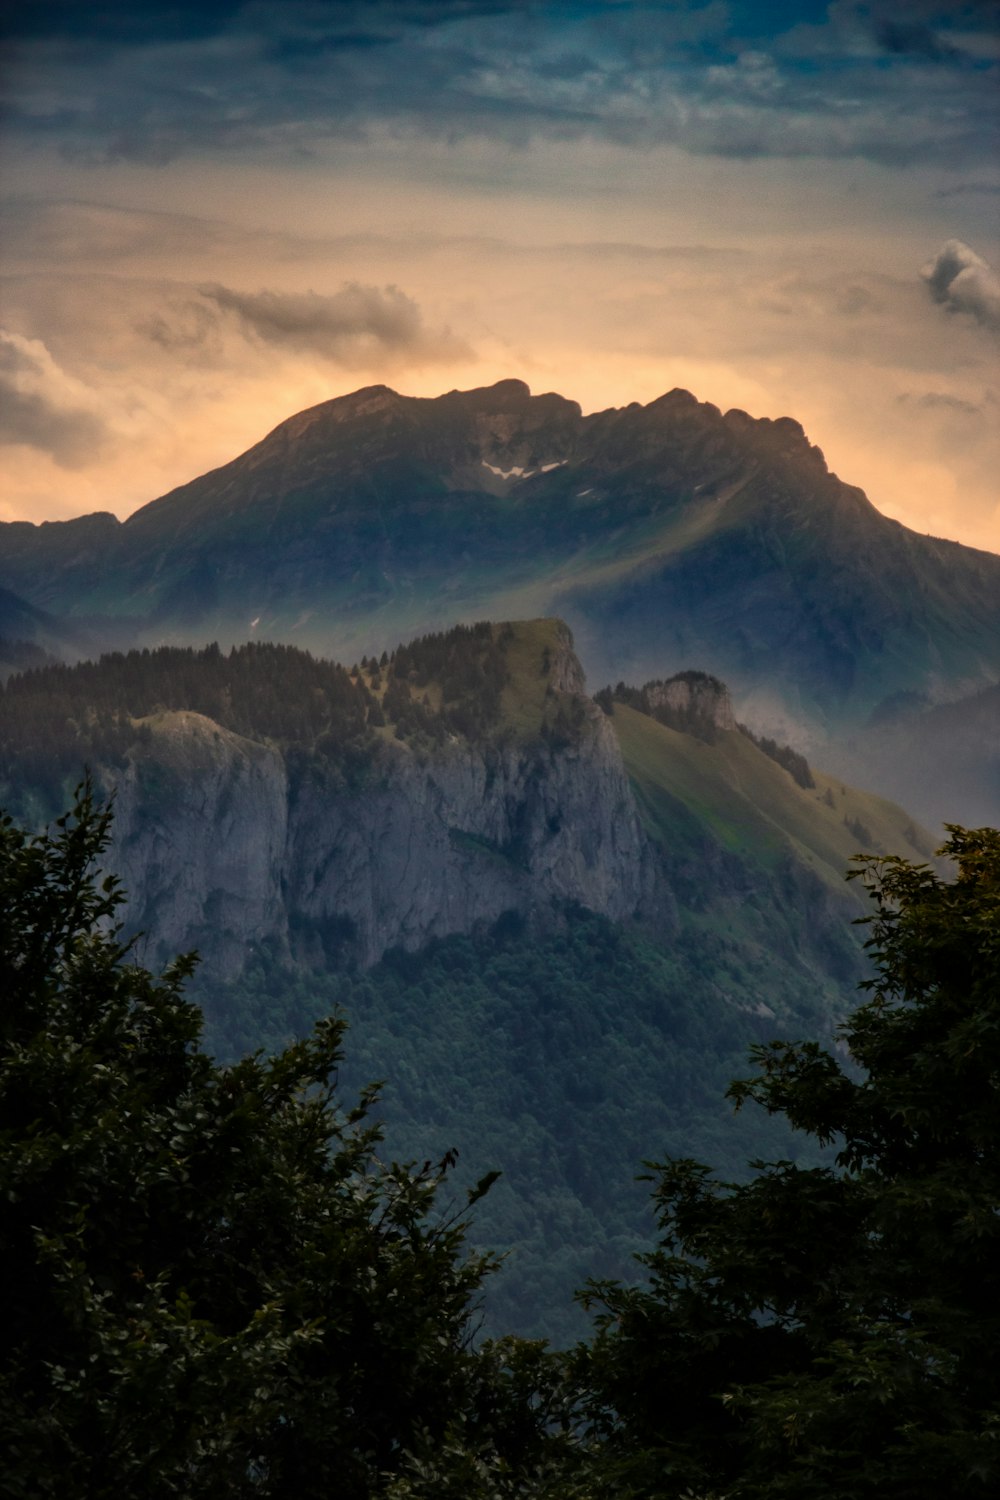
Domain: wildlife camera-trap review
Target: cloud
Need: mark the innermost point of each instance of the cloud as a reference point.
(963, 282)
(158, 20)
(285, 80)
(958, 189)
(915, 39)
(941, 401)
(348, 327)
(40, 408)
(188, 328)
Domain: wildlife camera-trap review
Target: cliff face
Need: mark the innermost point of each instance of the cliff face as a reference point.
(458, 840)
(693, 698)
(222, 847)
(200, 829)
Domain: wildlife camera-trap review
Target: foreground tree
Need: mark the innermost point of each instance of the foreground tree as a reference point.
(211, 1284)
(833, 1333)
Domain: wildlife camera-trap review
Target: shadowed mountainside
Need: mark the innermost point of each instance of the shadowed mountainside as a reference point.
(665, 534)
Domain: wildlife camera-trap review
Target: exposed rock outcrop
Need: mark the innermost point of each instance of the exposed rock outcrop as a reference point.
(200, 831)
(223, 848)
(693, 697)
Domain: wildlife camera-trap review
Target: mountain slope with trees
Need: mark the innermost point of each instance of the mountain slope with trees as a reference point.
(213, 1285)
(555, 924)
(666, 534)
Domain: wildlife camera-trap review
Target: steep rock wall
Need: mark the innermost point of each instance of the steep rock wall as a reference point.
(221, 849)
(694, 697)
(200, 830)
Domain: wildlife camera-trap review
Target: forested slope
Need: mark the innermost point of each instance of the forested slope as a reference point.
(553, 924)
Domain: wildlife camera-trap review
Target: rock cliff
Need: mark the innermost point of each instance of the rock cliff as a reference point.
(224, 844)
(693, 698)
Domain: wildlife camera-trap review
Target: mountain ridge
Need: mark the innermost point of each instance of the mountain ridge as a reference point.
(266, 796)
(666, 535)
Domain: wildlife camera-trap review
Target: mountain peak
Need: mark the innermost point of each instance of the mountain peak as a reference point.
(368, 401)
(504, 390)
(665, 533)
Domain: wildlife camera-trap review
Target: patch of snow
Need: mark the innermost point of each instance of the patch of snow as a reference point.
(508, 473)
(557, 465)
(580, 493)
(255, 623)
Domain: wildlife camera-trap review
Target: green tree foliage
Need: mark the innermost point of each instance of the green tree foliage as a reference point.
(211, 1284)
(830, 1334)
(468, 667)
(562, 1058)
(55, 719)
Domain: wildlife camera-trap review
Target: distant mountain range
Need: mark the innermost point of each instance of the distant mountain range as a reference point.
(669, 536)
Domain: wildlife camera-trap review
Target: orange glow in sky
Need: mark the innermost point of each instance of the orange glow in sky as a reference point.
(602, 199)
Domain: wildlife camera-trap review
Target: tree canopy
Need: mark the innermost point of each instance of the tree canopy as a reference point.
(211, 1282)
(214, 1286)
(832, 1332)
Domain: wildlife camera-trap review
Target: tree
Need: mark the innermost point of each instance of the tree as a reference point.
(211, 1284)
(833, 1332)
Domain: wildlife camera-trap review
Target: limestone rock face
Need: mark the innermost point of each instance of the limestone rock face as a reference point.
(200, 830)
(222, 849)
(695, 697)
(456, 841)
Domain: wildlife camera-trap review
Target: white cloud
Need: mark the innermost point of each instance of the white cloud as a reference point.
(963, 282)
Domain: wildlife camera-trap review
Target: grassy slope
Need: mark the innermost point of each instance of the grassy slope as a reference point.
(525, 705)
(752, 806)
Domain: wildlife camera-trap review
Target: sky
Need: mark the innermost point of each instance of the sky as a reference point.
(216, 214)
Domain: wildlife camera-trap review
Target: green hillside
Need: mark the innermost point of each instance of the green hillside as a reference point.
(754, 808)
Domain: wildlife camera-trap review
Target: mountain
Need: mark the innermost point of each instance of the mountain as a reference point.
(943, 759)
(31, 638)
(667, 535)
(268, 798)
(555, 924)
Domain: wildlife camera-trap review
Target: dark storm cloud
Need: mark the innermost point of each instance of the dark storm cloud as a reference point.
(963, 282)
(348, 325)
(122, 22)
(184, 20)
(903, 37)
(33, 417)
(712, 78)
